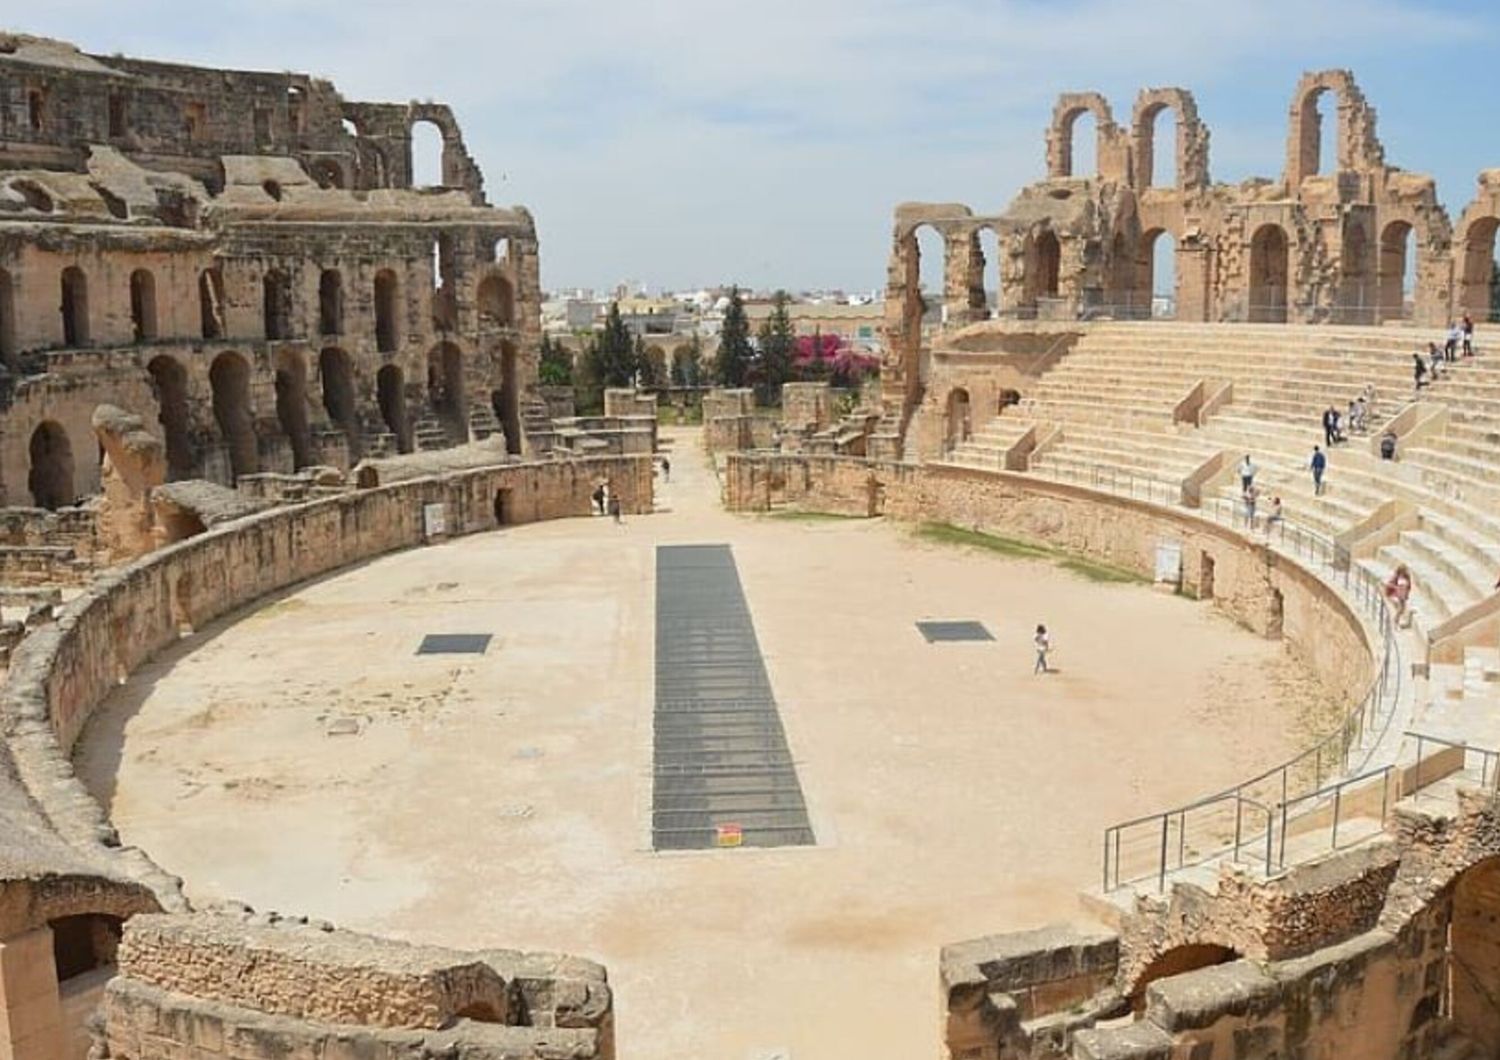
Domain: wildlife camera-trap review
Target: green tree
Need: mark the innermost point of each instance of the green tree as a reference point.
(612, 354)
(778, 346)
(556, 368)
(732, 366)
(645, 368)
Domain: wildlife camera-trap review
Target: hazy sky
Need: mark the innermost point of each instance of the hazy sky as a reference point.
(766, 142)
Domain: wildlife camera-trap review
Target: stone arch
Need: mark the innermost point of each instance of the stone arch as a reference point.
(169, 380)
(8, 354)
(229, 378)
(1358, 148)
(445, 386)
(211, 302)
(143, 305)
(1188, 957)
(497, 300)
(276, 304)
(390, 395)
(984, 264)
(1123, 296)
(75, 306)
(507, 400)
(1190, 155)
(1476, 266)
(336, 377)
(1473, 955)
(50, 477)
(1043, 266)
(387, 304)
(1358, 263)
(1065, 114)
(958, 425)
(1149, 261)
(427, 145)
(1270, 268)
(1397, 261)
(331, 302)
(291, 405)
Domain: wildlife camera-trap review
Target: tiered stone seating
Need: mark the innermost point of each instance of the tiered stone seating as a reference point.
(1113, 397)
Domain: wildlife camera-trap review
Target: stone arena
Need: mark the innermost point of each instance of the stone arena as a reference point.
(339, 719)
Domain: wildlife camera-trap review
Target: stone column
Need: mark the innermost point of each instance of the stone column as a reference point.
(31, 1026)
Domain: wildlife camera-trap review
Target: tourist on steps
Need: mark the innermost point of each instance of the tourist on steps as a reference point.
(1274, 516)
(1468, 329)
(1419, 370)
(1450, 345)
(1330, 426)
(1388, 445)
(1398, 592)
(1043, 645)
(1247, 473)
(1251, 495)
(1319, 464)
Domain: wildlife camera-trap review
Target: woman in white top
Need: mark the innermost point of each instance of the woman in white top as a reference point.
(1043, 646)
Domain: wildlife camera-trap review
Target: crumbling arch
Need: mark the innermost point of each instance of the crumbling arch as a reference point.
(336, 377)
(1157, 274)
(1061, 158)
(1476, 288)
(50, 478)
(1124, 297)
(497, 300)
(427, 147)
(291, 405)
(1190, 139)
(331, 302)
(1474, 956)
(143, 305)
(276, 304)
(387, 328)
(1396, 269)
(1178, 960)
(958, 424)
(211, 302)
(1357, 147)
(1043, 266)
(169, 380)
(229, 378)
(390, 395)
(8, 353)
(1270, 267)
(75, 306)
(1357, 287)
(445, 386)
(983, 265)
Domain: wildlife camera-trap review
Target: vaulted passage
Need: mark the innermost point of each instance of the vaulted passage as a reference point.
(291, 406)
(1269, 268)
(230, 378)
(51, 475)
(169, 379)
(338, 396)
(143, 305)
(390, 393)
(75, 307)
(723, 774)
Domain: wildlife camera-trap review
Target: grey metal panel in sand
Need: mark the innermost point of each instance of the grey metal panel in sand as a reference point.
(720, 754)
(454, 644)
(966, 630)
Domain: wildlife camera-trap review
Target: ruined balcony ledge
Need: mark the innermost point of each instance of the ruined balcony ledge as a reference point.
(1025, 958)
(1201, 998)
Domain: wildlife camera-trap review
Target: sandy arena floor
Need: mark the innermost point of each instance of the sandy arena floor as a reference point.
(501, 800)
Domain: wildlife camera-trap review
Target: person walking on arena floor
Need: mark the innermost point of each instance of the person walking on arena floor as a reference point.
(614, 507)
(1319, 464)
(1043, 644)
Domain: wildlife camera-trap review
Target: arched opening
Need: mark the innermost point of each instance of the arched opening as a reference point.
(1269, 268)
(7, 321)
(1043, 263)
(483, 1011)
(331, 302)
(444, 297)
(83, 943)
(1005, 399)
(445, 387)
(229, 377)
(143, 305)
(75, 306)
(1474, 957)
(502, 250)
(426, 161)
(211, 302)
(276, 297)
(1125, 299)
(1357, 291)
(497, 303)
(291, 405)
(1082, 131)
(1157, 272)
(987, 271)
(932, 262)
(507, 400)
(51, 476)
(328, 174)
(1159, 147)
(387, 337)
(390, 393)
(1177, 961)
(1479, 296)
(1398, 270)
(1318, 146)
(338, 396)
(958, 425)
(504, 513)
(169, 380)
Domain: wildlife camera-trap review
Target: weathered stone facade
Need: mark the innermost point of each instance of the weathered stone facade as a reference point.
(241, 260)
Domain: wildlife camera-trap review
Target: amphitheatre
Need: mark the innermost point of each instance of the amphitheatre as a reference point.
(338, 722)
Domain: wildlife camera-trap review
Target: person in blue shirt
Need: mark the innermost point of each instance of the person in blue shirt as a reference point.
(1319, 465)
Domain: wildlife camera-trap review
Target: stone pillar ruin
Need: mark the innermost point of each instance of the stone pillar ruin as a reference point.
(31, 1021)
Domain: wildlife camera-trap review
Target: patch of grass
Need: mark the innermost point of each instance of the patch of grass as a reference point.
(789, 515)
(1093, 570)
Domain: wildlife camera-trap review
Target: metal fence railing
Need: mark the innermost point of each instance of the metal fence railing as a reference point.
(1284, 812)
(1488, 762)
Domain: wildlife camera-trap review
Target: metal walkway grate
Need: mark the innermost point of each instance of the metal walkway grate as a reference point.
(723, 775)
(935, 631)
(454, 644)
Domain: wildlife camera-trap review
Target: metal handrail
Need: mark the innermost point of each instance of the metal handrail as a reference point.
(1489, 760)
